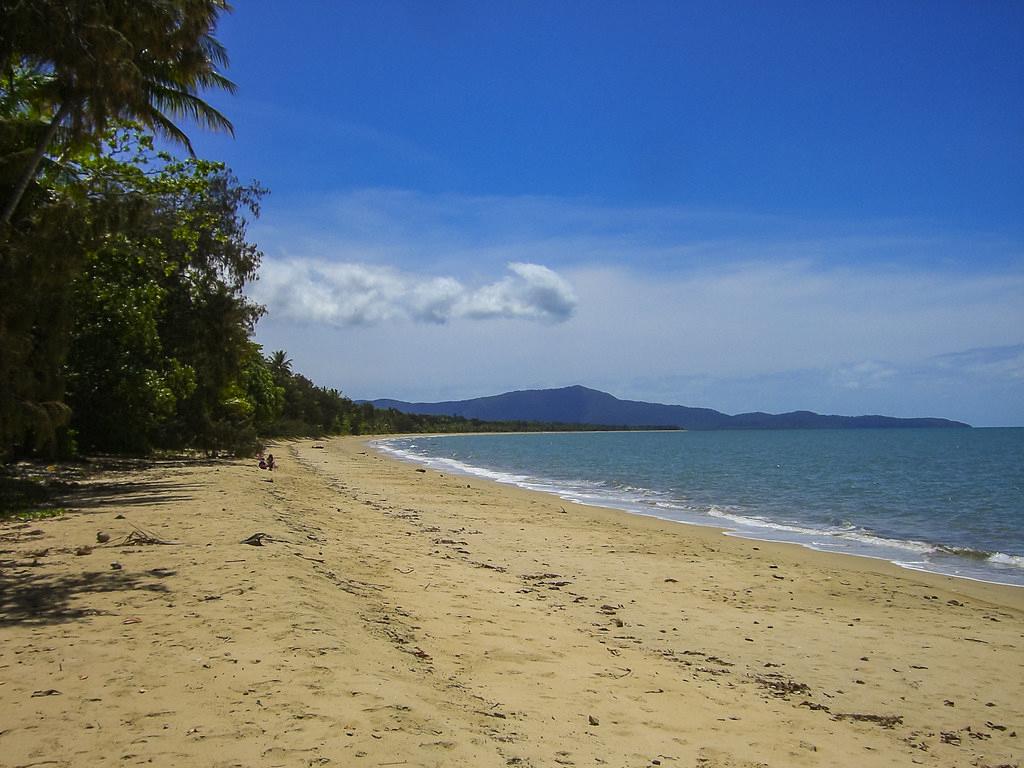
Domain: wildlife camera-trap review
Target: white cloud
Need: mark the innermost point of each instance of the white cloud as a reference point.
(867, 374)
(434, 301)
(353, 294)
(531, 291)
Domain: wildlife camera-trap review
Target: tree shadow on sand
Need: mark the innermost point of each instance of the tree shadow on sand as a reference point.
(159, 485)
(38, 599)
(27, 487)
(29, 594)
(128, 494)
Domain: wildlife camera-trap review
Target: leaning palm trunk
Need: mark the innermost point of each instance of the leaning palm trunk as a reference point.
(33, 165)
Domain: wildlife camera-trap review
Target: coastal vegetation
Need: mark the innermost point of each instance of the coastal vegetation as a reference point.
(125, 270)
(124, 325)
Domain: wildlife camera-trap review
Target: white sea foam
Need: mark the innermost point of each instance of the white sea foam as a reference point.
(846, 533)
(909, 545)
(1015, 561)
(455, 466)
(752, 521)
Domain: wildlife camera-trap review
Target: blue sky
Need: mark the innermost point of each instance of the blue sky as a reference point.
(745, 206)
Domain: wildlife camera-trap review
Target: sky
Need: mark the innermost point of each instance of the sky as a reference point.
(736, 205)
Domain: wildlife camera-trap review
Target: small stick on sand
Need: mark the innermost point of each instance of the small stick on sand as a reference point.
(140, 536)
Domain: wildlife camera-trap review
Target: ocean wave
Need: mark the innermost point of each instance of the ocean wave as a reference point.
(909, 545)
(847, 532)
(753, 521)
(983, 556)
(453, 465)
(999, 558)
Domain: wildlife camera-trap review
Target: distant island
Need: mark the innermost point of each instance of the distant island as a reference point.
(581, 405)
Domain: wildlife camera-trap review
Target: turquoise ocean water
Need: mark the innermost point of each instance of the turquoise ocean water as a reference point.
(949, 501)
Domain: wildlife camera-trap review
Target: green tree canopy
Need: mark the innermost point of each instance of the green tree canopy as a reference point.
(160, 351)
(93, 61)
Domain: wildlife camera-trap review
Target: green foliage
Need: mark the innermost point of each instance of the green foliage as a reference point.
(160, 352)
(261, 390)
(156, 240)
(306, 408)
(34, 514)
(123, 280)
(116, 366)
(39, 255)
(87, 63)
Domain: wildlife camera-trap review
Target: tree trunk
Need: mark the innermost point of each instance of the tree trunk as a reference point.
(33, 165)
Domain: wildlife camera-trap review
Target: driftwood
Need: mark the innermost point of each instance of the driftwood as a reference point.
(141, 536)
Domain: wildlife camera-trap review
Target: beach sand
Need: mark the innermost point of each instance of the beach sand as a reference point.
(401, 617)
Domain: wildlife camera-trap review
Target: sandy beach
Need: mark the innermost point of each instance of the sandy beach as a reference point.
(399, 617)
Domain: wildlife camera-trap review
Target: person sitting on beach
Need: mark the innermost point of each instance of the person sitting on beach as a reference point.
(270, 461)
(263, 463)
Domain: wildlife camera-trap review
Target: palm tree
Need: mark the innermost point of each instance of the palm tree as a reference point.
(142, 60)
(280, 364)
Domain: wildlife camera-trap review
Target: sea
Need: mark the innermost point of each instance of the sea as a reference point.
(947, 501)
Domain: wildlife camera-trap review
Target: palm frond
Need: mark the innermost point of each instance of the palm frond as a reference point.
(167, 98)
(212, 81)
(155, 119)
(214, 50)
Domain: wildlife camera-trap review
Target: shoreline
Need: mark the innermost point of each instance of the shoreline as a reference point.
(1014, 594)
(396, 615)
(738, 531)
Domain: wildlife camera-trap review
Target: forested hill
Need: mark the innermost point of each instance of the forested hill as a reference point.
(580, 405)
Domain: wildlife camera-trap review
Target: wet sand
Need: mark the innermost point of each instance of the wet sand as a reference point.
(401, 617)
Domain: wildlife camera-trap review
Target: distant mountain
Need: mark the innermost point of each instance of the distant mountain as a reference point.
(580, 405)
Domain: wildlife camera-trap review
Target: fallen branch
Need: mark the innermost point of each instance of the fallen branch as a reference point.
(140, 536)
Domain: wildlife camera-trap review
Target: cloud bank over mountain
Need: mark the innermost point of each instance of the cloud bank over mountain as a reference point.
(475, 295)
